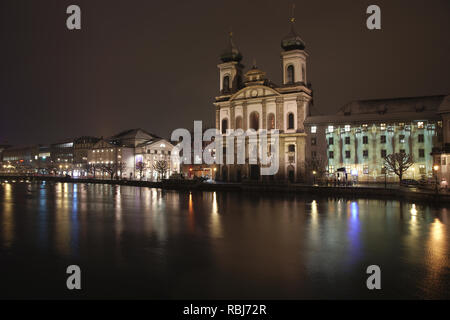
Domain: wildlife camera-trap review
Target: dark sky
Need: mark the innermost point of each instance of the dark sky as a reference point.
(153, 64)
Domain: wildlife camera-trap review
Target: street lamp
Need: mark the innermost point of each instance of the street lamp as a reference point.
(435, 169)
(314, 176)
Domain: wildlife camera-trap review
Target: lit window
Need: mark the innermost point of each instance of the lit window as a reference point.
(420, 124)
(347, 128)
(313, 129)
(330, 128)
(383, 126)
(422, 169)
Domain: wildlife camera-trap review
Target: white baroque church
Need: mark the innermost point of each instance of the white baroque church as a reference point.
(251, 101)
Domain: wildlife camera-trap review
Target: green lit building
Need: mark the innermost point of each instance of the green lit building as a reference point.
(354, 142)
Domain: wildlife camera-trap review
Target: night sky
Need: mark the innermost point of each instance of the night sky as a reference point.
(153, 64)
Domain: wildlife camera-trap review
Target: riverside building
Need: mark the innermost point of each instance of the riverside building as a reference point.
(354, 141)
(251, 101)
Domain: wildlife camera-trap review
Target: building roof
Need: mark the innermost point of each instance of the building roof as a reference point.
(231, 52)
(292, 41)
(445, 105)
(385, 110)
(132, 137)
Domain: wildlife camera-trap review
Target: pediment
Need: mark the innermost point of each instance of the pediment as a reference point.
(253, 92)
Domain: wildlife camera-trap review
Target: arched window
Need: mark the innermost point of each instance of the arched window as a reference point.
(290, 123)
(290, 74)
(226, 83)
(238, 122)
(270, 121)
(254, 120)
(224, 125)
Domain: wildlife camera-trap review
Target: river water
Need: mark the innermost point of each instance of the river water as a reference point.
(133, 242)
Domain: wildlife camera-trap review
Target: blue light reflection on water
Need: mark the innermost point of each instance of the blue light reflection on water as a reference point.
(354, 232)
(246, 244)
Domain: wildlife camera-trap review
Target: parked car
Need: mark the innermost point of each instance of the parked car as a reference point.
(410, 182)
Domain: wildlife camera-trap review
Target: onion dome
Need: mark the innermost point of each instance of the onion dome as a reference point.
(231, 53)
(292, 41)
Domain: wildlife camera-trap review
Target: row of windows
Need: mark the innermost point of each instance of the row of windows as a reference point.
(104, 150)
(365, 140)
(157, 151)
(254, 122)
(383, 153)
(422, 169)
(347, 127)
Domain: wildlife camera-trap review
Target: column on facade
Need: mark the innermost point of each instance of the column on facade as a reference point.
(218, 118)
(264, 115)
(232, 117)
(300, 161)
(244, 116)
(279, 115)
(281, 175)
(301, 114)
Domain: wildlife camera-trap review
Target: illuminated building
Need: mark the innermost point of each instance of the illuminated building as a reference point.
(251, 101)
(362, 133)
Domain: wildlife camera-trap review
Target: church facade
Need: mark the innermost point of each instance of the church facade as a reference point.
(251, 101)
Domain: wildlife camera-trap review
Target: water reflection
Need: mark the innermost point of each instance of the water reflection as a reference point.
(249, 245)
(7, 222)
(216, 227)
(354, 231)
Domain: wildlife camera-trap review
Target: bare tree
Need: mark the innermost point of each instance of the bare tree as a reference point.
(398, 163)
(317, 166)
(161, 167)
(140, 167)
(93, 168)
(120, 166)
(113, 168)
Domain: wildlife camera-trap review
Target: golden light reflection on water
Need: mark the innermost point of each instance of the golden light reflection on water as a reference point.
(8, 216)
(437, 258)
(62, 219)
(216, 224)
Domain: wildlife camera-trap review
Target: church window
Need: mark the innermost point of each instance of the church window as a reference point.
(226, 83)
(290, 74)
(271, 121)
(224, 125)
(291, 148)
(254, 120)
(290, 121)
